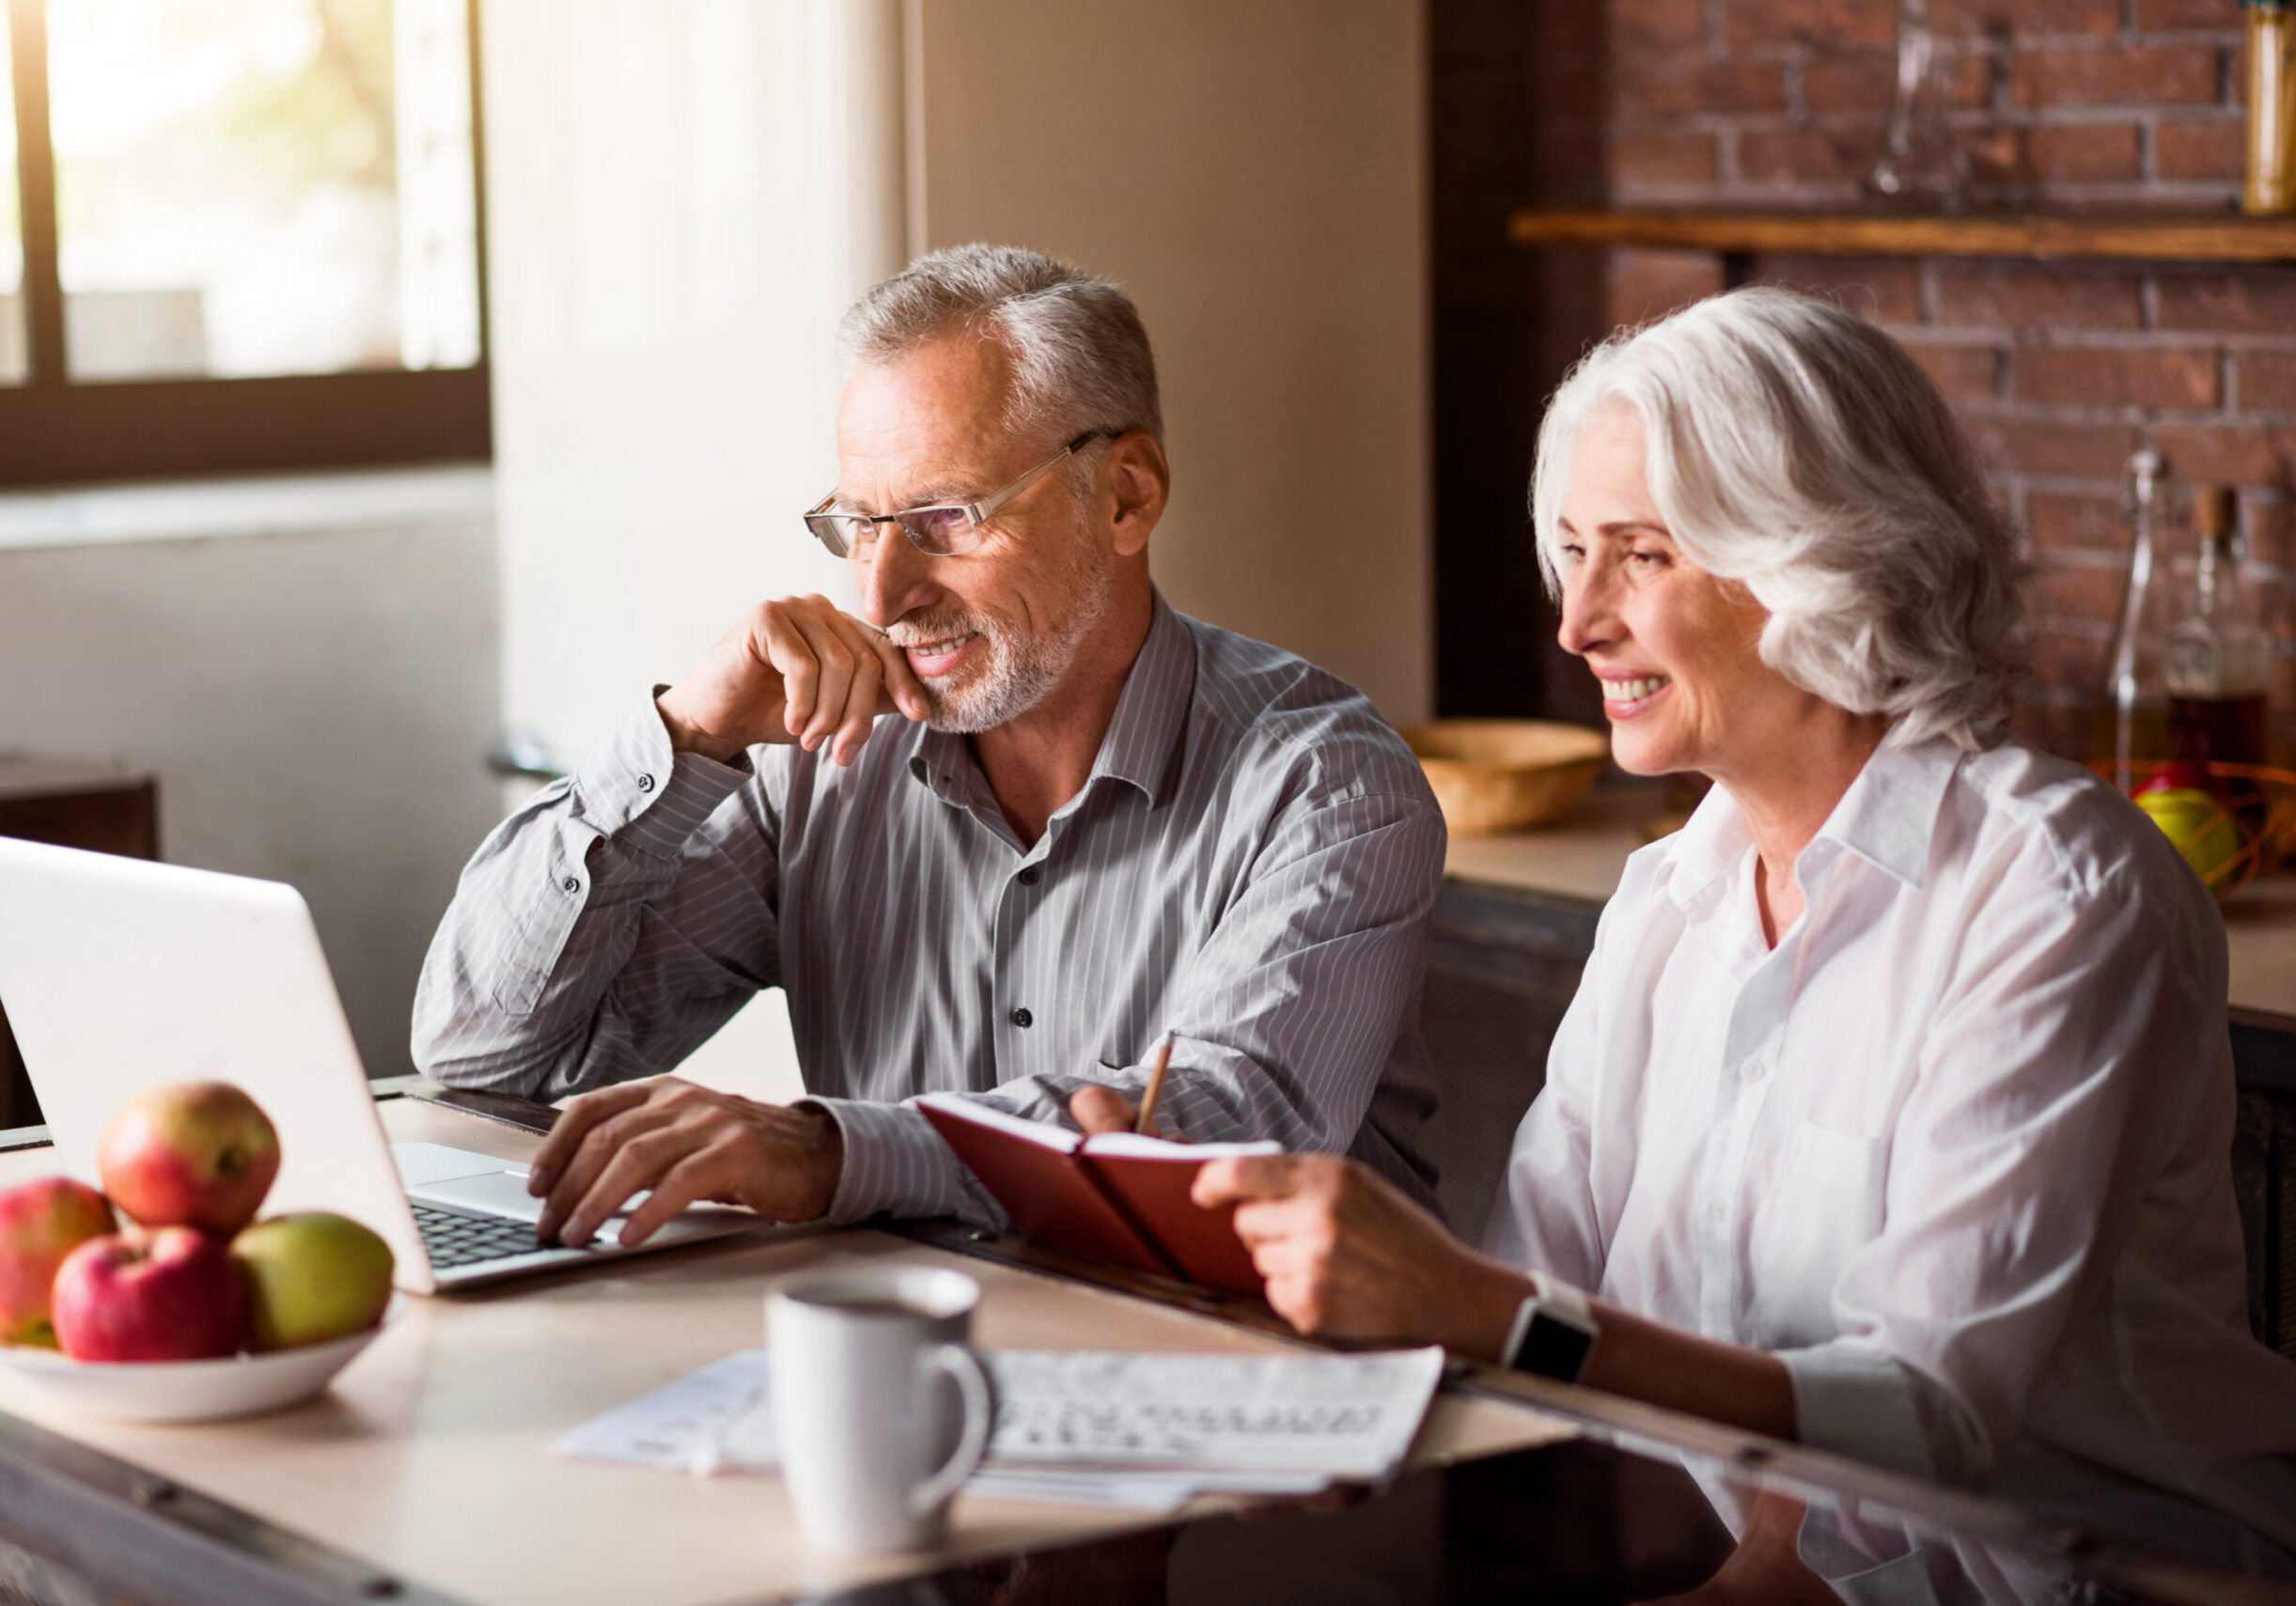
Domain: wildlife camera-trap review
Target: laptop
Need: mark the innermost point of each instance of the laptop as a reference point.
(119, 973)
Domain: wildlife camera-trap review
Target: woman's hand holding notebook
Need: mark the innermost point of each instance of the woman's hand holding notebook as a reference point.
(1116, 1195)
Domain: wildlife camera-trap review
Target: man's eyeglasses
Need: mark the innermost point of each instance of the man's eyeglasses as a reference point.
(942, 531)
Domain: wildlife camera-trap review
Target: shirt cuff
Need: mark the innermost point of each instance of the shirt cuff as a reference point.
(643, 795)
(1854, 1399)
(1869, 1560)
(897, 1165)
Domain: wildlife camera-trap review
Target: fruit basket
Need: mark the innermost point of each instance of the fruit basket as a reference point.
(190, 1391)
(1506, 775)
(2232, 822)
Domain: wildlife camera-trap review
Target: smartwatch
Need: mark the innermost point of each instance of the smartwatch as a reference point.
(1554, 1332)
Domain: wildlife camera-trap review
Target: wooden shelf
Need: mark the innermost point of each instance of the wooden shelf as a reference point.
(2225, 239)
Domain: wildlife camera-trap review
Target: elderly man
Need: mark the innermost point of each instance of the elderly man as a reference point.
(1094, 820)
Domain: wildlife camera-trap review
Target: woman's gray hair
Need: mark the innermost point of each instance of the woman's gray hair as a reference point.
(1079, 355)
(1794, 448)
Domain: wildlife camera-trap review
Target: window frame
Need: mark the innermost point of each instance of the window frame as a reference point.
(55, 430)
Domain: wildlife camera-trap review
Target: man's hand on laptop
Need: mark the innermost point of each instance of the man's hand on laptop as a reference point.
(687, 1144)
(793, 670)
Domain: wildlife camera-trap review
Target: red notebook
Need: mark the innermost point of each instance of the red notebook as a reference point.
(1114, 1196)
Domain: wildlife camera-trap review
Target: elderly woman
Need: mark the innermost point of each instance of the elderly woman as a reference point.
(1894, 1110)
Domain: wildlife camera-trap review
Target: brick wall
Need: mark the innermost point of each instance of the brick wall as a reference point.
(2071, 102)
(2059, 371)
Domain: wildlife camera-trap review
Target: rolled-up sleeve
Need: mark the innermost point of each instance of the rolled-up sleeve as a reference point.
(1853, 1397)
(606, 929)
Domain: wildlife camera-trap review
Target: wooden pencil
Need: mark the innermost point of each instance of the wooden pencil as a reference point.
(1146, 1124)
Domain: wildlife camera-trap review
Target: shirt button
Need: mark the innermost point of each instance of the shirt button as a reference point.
(646, 783)
(1029, 877)
(1752, 1071)
(570, 884)
(1022, 1019)
(1714, 1213)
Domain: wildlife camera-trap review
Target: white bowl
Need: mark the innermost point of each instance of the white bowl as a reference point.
(190, 1391)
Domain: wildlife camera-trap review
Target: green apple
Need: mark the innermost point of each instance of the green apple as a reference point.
(311, 1277)
(2208, 837)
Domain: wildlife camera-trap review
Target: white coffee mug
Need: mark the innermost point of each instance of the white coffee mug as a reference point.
(864, 1365)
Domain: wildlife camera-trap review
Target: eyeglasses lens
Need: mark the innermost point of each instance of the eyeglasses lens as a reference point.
(841, 535)
(940, 531)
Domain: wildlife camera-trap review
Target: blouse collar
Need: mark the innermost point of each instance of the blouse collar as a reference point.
(1887, 817)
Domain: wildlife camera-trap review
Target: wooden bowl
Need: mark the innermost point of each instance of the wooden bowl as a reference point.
(1506, 775)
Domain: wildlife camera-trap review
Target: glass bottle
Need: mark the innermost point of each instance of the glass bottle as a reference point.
(1921, 165)
(2269, 189)
(2133, 714)
(2218, 660)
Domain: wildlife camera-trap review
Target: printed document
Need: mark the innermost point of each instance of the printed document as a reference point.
(1149, 1432)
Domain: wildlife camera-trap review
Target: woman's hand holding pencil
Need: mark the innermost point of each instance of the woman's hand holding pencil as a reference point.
(1098, 1109)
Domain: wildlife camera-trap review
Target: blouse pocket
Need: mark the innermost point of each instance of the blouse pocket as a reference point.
(1824, 1204)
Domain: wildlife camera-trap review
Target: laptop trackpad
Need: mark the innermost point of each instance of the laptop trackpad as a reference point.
(496, 1194)
(504, 1194)
(422, 1163)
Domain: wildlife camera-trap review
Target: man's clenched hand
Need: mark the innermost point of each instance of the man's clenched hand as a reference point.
(793, 670)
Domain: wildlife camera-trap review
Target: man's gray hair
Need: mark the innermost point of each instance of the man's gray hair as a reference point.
(1795, 448)
(1079, 355)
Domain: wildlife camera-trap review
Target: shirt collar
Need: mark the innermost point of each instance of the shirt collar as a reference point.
(1143, 745)
(1886, 818)
(1709, 846)
(1889, 813)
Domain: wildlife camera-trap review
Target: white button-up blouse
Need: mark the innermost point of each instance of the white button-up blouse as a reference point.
(1956, 1150)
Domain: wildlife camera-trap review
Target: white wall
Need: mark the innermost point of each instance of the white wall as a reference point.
(1255, 173)
(307, 666)
(683, 196)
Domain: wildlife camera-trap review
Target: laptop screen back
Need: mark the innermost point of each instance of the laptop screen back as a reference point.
(118, 974)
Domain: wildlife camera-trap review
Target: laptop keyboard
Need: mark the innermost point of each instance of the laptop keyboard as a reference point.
(453, 1240)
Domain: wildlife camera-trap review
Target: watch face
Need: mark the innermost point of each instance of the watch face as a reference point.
(1553, 1350)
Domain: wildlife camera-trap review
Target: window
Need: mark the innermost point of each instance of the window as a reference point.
(12, 356)
(238, 235)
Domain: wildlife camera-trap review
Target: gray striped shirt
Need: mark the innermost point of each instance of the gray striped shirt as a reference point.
(1250, 862)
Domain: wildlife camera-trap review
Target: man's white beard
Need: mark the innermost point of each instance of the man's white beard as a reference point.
(1020, 668)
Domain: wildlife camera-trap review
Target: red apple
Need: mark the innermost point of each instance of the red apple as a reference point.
(40, 1222)
(198, 1154)
(311, 1277)
(171, 1294)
